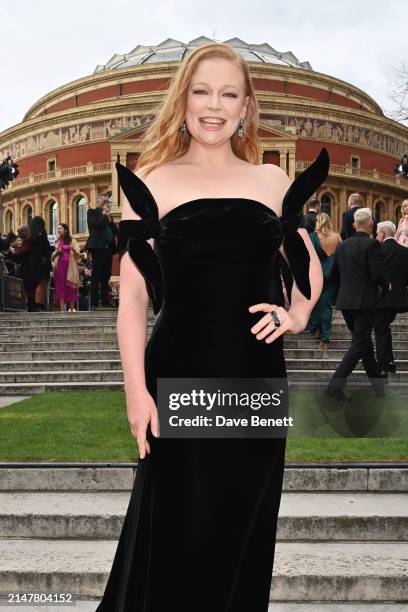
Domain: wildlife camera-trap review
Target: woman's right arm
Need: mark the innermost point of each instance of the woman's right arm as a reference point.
(132, 336)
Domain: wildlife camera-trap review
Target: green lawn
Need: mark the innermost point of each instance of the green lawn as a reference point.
(92, 426)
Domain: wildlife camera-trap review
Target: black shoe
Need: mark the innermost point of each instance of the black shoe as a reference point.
(336, 393)
(391, 367)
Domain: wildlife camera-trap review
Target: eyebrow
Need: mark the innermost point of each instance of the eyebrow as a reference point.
(202, 83)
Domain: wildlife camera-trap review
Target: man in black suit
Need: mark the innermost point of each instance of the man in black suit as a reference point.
(313, 209)
(98, 244)
(356, 273)
(347, 222)
(395, 300)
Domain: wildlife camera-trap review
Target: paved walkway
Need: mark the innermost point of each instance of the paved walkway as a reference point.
(7, 400)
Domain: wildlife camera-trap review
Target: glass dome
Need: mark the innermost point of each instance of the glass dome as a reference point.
(171, 50)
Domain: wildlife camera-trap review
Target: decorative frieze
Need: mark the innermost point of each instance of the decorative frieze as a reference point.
(313, 128)
(71, 135)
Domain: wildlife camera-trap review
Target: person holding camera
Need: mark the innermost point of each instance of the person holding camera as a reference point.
(99, 247)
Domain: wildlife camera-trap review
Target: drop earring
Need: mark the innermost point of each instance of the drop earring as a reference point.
(241, 127)
(183, 128)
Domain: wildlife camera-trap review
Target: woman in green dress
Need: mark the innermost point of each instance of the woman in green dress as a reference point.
(325, 241)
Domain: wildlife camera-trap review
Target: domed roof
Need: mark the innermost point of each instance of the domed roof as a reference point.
(171, 50)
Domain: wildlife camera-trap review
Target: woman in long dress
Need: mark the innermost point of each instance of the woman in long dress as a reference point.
(199, 532)
(325, 241)
(66, 272)
(36, 255)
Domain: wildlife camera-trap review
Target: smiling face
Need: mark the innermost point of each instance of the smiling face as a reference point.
(216, 101)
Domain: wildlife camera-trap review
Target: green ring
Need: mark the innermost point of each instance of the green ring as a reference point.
(275, 318)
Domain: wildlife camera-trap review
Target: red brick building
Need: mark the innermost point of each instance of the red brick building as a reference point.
(68, 141)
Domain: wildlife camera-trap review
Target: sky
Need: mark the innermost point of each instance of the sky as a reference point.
(47, 43)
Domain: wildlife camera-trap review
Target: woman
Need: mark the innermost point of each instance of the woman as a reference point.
(402, 232)
(39, 262)
(35, 253)
(325, 241)
(66, 273)
(199, 532)
(19, 251)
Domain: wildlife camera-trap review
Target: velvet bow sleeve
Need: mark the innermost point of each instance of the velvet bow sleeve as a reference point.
(133, 234)
(295, 198)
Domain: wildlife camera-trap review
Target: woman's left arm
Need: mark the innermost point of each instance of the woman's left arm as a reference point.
(294, 320)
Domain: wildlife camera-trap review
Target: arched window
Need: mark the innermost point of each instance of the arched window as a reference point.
(326, 203)
(397, 213)
(8, 222)
(81, 207)
(379, 212)
(28, 214)
(52, 217)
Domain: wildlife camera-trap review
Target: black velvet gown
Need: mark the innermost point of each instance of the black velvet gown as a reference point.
(199, 533)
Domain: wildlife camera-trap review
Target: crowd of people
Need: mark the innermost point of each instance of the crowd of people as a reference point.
(365, 275)
(79, 277)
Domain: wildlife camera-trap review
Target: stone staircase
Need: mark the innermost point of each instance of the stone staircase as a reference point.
(73, 351)
(342, 535)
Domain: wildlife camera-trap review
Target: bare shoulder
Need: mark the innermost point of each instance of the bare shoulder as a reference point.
(273, 183)
(275, 173)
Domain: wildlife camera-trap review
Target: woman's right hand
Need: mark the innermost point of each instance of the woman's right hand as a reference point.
(142, 410)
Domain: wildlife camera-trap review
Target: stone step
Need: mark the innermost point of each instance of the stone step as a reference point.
(327, 362)
(302, 517)
(323, 374)
(297, 378)
(81, 605)
(33, 356)
(74, 337)
(30, 389)
(319, 362)
(74, 321)
(103, 323)
(303, 572)
(90, 605)
(332, 354)
(112, 312)
(296, 371)
(340, 344)
(315, 606)
(24, 477)
(61, 376)
(87, 605)
(57, 323)
(92, 350)
(97, 345)
(55, 365)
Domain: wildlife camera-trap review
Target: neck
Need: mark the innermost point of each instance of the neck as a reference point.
(211, 157)
(366, 230)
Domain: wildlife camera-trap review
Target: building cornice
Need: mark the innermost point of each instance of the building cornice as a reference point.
(166, 70)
